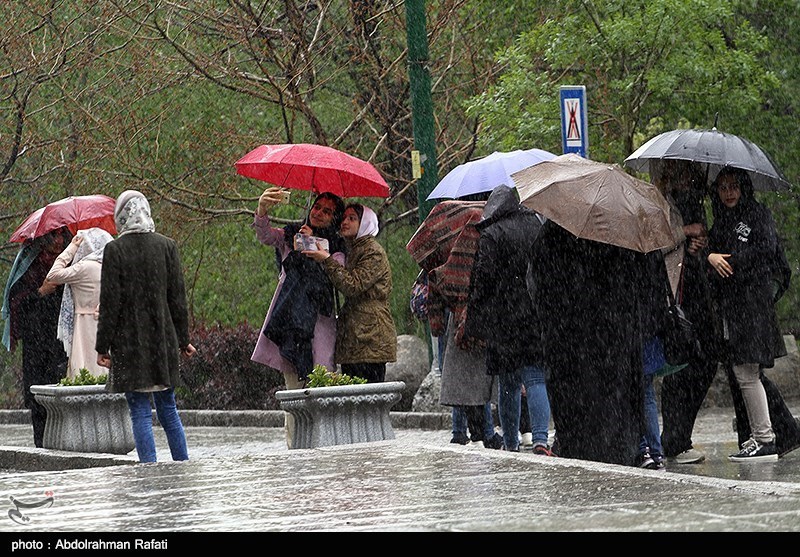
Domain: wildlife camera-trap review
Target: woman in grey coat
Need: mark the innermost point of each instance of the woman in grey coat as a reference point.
(143, 324)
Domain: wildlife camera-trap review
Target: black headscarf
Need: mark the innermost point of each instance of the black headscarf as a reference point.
(306, 292)
(745, 187)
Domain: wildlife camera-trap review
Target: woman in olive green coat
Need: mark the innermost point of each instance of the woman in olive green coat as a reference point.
(366, 338)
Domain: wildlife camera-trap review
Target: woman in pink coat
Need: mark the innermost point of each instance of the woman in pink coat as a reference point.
(78, 268)
(300, 327)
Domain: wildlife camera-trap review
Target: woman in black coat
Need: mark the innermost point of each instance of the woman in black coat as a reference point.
(589, 309)
(742, 244)
(143, 325)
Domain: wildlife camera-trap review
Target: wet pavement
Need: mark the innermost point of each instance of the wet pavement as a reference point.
(243, 479)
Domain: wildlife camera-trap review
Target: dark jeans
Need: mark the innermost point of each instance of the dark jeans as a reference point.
(373, 373)
(784, 425)
(682, 395)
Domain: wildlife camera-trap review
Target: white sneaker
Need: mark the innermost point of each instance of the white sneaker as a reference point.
(691, 456)
(526, 439)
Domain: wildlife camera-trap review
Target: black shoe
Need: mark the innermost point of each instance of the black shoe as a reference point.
(646, 461)
(752, 451)
(495, 442)
(460, 438)
(475, 437)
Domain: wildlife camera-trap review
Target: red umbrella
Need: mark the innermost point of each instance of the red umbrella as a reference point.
(76, 213)
(317, 168)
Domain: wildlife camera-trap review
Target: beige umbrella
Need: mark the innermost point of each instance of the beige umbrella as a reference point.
(597, 201)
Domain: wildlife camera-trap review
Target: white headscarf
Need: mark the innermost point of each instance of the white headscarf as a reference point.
(91, 249)
(132, 213)
(369, 223)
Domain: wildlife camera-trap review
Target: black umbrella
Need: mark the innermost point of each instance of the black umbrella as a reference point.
(713, 150)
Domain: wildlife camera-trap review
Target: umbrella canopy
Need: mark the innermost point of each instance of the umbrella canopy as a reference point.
(76, 213)
(714, 150)
(315, 168)
(597, 201)
(485, 174)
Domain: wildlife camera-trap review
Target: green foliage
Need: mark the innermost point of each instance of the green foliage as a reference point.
(221, 375)
(638, 60)
(84, 377)
(321, 377)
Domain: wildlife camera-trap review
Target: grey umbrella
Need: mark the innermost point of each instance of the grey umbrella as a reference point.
(714, 150)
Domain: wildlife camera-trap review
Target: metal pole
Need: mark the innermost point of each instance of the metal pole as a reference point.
(421, 114)
(421, 103)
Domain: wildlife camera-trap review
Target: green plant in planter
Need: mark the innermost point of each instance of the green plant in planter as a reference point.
(320, 376)
(84, 377)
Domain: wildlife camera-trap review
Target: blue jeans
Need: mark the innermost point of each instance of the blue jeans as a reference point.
(652, 435)
(509, 405)
(142, 419)
(460, 421)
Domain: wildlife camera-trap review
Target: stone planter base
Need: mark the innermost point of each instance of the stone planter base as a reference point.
(343, 415)
(85, 419)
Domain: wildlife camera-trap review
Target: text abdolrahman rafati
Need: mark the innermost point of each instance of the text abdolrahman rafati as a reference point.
(90, 544)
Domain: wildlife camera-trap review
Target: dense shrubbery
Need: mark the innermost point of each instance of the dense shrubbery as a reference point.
(221, 376)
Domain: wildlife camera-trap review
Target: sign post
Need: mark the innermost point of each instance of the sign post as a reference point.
(574, 123)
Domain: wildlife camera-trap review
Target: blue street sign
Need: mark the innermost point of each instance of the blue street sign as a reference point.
(574, 124)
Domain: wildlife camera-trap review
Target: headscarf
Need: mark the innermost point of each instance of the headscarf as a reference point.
(132, 213)
(91, 249)
(26, 256)
(30, 269)
(747, 197)
(369, 221)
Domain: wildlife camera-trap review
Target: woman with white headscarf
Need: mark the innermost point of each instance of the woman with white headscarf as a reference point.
(366, 338)
(144, 324)
(78, 269)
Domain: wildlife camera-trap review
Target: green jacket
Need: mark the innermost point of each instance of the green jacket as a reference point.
(365, 331)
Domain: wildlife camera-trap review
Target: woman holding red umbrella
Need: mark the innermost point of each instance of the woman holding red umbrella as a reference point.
(300, 326)
(78, 268)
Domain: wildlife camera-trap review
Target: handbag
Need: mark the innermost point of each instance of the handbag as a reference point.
(418, 302)
(679, 339)
(655, 363)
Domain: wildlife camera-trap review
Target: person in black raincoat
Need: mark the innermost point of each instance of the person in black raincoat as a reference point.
(500, 312)
(742, 246)
(682, 394)
(589, 310)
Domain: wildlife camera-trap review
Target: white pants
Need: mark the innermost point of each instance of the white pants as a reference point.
(755, 400)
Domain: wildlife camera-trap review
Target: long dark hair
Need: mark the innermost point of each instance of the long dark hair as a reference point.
(330, 233)
(745, 187)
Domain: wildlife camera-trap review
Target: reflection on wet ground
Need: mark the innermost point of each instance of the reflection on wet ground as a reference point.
(243, 479)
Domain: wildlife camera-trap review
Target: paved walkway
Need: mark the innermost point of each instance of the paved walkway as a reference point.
(243, 479)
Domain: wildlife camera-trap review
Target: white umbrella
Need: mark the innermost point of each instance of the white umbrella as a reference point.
(485, 174)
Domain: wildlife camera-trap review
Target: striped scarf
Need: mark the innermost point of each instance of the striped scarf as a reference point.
(445, 246)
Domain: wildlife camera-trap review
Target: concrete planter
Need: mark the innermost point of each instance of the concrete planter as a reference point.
(341, 415)
(85, 419)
